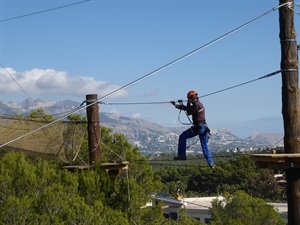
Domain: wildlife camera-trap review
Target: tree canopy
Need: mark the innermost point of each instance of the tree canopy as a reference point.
(242, 209)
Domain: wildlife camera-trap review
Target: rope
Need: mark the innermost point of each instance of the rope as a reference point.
(122, 142)
(186, 116)
(112, 151)
(15, 81)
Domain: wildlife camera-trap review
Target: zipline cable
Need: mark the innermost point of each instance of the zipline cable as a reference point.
(212, 93)
(265, 76)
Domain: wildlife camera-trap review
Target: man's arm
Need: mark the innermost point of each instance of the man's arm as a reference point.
(179, 106)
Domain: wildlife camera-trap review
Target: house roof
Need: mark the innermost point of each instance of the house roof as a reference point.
(205, 202)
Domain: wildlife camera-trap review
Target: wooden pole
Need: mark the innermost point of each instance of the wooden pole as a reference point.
(92, 112)
(290, 104)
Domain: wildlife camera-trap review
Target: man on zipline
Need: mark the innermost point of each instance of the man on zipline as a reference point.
(195, 108)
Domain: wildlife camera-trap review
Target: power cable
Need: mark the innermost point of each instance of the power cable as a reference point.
(42, 11)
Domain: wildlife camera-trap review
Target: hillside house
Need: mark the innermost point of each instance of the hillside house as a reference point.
(198, 208)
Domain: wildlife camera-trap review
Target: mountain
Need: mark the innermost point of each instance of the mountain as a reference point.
(24, 107)
(150, 137)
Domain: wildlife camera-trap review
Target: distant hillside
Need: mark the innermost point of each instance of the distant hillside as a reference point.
(151, 137)
(24, 107)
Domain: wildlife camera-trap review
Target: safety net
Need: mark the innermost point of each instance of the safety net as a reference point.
(60, 140)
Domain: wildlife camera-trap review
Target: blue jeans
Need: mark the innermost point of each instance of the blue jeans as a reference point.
(203, 136)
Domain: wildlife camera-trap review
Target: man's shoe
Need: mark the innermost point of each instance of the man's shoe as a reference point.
(212, 166)
(180, 158)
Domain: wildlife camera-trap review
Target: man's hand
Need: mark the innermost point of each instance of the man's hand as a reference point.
(172, 102)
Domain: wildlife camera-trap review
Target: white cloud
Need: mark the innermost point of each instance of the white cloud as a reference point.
(49, 81)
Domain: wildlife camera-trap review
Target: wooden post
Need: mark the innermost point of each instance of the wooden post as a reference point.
(290, 104)
(92, 112)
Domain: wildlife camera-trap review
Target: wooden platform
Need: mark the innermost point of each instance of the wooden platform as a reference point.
(277, 161)
(115, 167)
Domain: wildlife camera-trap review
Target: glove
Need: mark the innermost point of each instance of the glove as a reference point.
(179, 107)
(172, 102)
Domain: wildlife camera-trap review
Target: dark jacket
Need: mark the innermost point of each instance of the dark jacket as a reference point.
(197, 110)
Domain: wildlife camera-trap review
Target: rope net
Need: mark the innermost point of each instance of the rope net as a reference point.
(60, 141)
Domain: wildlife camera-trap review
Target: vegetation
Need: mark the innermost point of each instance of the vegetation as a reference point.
(242, 209)
(39, 114)
(37, 191)
(232, 173)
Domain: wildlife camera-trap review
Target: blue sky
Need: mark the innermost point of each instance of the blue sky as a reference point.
(96, 47)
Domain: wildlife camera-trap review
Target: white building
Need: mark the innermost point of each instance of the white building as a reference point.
(198, 208)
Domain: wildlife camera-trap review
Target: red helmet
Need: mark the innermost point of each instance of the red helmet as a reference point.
(192, 94)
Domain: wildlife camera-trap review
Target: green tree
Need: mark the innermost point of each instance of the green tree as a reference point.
(265, 186)
(76, 117)
(152, 215)
(40, 114)
(39, 192)
(242, 209)
(15, 210)
(184, 219)
(134, 188)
